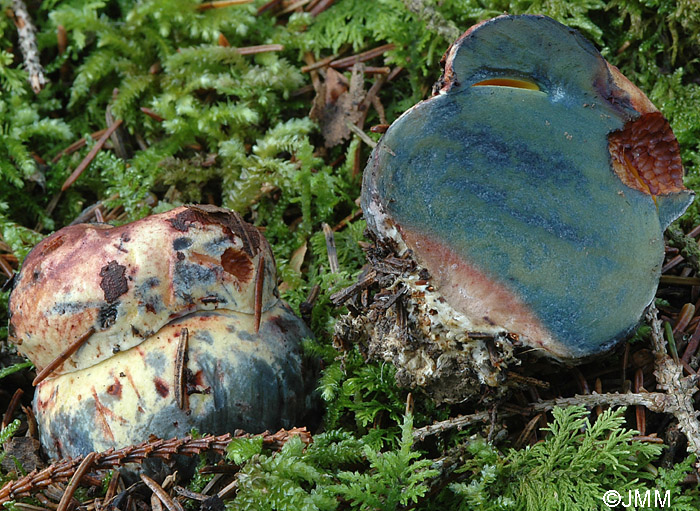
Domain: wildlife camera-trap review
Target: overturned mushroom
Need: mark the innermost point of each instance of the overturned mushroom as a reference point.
(156, 327)
(532, 191)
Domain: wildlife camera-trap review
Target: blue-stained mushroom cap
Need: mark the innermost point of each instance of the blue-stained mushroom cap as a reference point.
(534, 186)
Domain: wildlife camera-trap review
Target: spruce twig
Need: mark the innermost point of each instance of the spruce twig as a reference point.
(26, 33)
(451, 423)
(63, 470)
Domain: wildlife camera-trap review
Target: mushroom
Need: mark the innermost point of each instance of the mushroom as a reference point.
(159, 326)
(532, 191)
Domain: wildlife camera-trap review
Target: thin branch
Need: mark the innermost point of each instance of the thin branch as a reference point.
(435, 21)
(90, 156)
(27, 42)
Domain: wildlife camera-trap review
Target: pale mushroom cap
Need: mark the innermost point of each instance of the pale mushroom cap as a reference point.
(128, 282)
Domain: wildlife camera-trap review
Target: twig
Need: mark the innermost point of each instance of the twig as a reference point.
(261, 48)
(345, 294)
(91, 155)
(27, 42)
(259, 285)
(77, 145)
(362, 57)
(267, 6)
(7, 418)
(150, 113)
(320, 7)
(61, 471)
(449, 424)
(674, 280)
(221, 3)
(435, 21)
(363, 136)
(180, 363)
(294, 6)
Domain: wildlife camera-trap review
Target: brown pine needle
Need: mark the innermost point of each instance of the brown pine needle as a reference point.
(261, 48)
(83, 468)
(259, 283)
(221, 4)
(77, 145)
(150, 113)
(362, 57)
(91, 155)
(65, 355)
(157, 490)
(180, 364)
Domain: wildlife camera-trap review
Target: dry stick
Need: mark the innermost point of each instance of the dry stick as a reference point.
(7, 418)
(363, 136)
(82, 469)
(320, 7)
(221, 3)
(296, 5)
(112, 488)
(156, 503)
(62, 470)
(157, 490)
(228, 489)
(150, 113)
(259, 281)
(268, 5)
(91, 155)
(319, 64)
(330, 248)
(27, 42)
(261, 48)
(311, 5)
(433, 19)
(77, 145)
(65, 355)
(362, 57)
(5, 267)
(679, 281)
(180, 363)
(449, 424)
(640, 411)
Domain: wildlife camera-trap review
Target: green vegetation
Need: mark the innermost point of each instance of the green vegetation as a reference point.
(234, 129)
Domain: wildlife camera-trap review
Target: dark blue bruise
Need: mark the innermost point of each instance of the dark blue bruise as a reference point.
(182, 243)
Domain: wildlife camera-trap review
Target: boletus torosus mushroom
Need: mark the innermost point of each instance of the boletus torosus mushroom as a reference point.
(532, 191)
(159, 326)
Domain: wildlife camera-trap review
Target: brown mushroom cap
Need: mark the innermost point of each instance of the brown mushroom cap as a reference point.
(125, 283)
